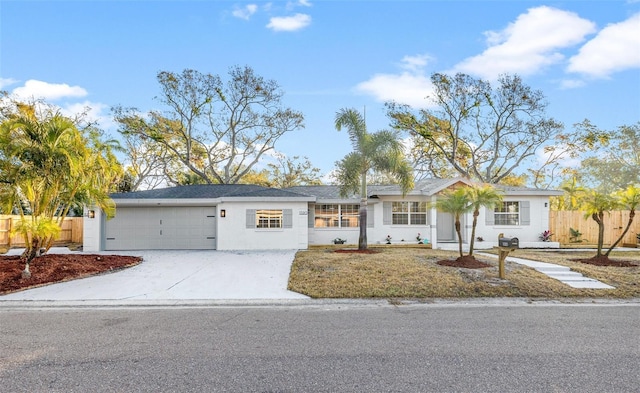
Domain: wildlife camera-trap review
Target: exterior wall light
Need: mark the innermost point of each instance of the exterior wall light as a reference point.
(91, 214)
(223, 213)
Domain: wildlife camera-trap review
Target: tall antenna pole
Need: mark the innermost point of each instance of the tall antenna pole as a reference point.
(364, 116)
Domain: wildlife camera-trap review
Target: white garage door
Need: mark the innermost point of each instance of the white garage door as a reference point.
(162, 228)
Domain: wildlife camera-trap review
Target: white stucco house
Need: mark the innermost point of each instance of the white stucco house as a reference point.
(244, 217)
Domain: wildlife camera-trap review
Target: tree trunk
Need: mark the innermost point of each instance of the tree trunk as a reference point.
(632, 214)
(362, 239)
(473, 231)
(598, 217)
(459, 235)
(29, 255)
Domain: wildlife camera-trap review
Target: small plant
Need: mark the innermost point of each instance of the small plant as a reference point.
(574, 236)
(546, 236)
(480, 238)
(419, 238)
(337, 240)
(388, 239)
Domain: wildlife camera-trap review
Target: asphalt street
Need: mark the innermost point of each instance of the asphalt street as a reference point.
(367, 347)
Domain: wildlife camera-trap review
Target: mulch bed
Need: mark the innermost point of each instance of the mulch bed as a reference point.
(467, 262)
(604, 260)
(52, 268)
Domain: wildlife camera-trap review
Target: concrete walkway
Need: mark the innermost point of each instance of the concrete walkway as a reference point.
(558, 272)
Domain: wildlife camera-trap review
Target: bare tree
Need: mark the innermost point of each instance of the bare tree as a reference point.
(482, 132)
(292, 171)
(146, 163)
(215, 130)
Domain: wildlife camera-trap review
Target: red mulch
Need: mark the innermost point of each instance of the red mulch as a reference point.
(467, 262)
(355, 251)
(51, 268)
(604, 260)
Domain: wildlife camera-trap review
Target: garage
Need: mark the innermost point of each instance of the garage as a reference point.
(199, 217)
(162, 228)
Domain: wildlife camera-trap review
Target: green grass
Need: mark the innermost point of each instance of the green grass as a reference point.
(414, 273)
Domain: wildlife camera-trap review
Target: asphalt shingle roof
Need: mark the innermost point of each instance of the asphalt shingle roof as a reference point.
(208, 191)
(205, 191)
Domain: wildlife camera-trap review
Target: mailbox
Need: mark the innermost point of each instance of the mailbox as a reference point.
(511, 242)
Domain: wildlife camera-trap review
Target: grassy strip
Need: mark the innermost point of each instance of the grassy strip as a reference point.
(414, 273)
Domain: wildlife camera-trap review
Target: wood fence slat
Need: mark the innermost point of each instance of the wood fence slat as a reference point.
(71, 231)
(560, 223)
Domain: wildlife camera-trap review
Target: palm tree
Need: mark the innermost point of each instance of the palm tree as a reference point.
(456, 202)
(381, 151)
(481, 196)
(48, 166)
(594, 205)
(572, 192)
(627, 199)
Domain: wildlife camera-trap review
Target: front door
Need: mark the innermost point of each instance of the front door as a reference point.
(446, 227)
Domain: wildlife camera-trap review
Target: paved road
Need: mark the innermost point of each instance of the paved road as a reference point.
(325, 348)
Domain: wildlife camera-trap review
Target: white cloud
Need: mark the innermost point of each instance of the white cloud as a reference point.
(48, 91)
(7, 82)
(530, 43)
(246, 12)
(410, 87)
(299, 3)
(289, 23)
(416, 63)
(571, 83)
(615, 48)
(95, 112)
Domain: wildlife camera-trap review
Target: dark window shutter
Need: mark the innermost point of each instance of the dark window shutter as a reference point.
(489, 216)
(287, 218)
(525, 213)
(251, 218)
(311, 216)
(386, 213)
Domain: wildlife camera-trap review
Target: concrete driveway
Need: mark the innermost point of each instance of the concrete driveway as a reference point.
(181, 275)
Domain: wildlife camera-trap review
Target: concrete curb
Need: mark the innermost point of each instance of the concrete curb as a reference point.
(328, 304)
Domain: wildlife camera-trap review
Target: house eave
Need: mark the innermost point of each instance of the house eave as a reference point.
(547, 193)
(267, 199)
(166, 202)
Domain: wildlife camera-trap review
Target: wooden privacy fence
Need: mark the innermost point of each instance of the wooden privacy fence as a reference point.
(561, 222)
(71, 231)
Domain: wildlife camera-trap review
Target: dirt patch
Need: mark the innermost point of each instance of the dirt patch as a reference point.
(355, 251)
(52, 268)
(604, 260)
(467, 262)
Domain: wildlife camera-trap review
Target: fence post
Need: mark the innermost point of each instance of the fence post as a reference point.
(9, 233)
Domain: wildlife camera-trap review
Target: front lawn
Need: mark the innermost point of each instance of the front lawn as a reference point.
(413, 273)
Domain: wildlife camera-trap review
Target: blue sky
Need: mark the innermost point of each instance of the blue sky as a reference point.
(326, 55)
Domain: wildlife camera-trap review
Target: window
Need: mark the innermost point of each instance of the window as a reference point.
(507, 213)
(336, 215)
(349, 215)
(409, 213)
(268, 218)
(418, 212)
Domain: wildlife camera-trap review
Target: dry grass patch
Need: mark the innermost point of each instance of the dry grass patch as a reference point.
(414, 273)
